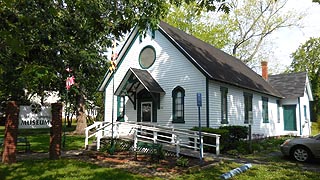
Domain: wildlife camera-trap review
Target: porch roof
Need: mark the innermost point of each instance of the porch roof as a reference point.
(136, 77)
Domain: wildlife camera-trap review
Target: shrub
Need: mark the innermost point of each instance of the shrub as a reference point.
(183, 162)
(229, 139)
(236, 133)
(118, 145)
(211, 140)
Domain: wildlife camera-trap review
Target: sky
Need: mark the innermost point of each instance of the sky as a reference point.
(287, 40)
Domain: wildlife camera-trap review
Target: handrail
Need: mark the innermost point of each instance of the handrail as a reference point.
(96, 125)
(181, 130)
(157, 134)
(177, 133)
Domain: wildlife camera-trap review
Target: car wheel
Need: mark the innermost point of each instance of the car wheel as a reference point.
(301, 154)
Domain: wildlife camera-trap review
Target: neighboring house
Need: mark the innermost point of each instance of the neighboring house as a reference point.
(53, 97)
(295, 109)
(159, 75)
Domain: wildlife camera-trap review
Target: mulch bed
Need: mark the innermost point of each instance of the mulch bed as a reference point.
(143, 164)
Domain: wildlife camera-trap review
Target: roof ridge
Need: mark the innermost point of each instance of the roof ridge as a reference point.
(215, 63)
(288, 73)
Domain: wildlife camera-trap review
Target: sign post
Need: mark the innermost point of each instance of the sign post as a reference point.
(199, 104)
(250, 130)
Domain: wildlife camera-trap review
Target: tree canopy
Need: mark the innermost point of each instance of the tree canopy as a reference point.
(40, 39)
(200, 25)
(243, 32)
(307, 58)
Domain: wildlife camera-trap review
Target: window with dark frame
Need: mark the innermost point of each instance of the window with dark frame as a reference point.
(121, 108)
(305, 111)
(224, 105)
(248, 116)
(178, 105)
(265, 110)
(278, 110)
(147, 57)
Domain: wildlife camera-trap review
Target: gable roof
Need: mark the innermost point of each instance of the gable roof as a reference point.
(143, 77)
(216, 64)
(212, 62)
(291, 85)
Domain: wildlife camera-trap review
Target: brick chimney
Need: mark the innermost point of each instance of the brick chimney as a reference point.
(264, 66)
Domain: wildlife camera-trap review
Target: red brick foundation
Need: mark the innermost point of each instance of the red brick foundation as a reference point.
(55, 131)
(11, 133)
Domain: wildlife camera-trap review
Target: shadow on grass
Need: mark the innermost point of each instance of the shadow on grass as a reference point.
(61, 169)
(40, 139)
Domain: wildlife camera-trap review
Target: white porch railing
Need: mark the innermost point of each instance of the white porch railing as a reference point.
(166, 136)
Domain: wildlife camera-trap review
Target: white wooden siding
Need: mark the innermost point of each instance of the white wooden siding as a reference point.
(235, 105)
(171, 69)
(303, 123)
(305, 120)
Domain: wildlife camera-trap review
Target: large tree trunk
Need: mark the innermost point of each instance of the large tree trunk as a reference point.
(81, 116)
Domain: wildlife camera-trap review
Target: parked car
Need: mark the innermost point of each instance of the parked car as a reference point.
(302, 149)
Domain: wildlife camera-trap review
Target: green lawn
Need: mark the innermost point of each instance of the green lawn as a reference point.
(40, 139)
(61, 169)
(270, 168)
(278, 170)
(74, 169)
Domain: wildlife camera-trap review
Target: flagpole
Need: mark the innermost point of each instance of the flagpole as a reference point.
(113, 69)
(66, 111)
(69, 83)
(65, 123)
(112, 118)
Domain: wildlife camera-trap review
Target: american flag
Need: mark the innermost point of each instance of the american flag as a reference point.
(69, 82)
(114, 56)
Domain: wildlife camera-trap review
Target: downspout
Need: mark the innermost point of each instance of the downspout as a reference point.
(207, 102)
(300, 116)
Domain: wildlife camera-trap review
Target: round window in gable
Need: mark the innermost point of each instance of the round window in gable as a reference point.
(147, 57)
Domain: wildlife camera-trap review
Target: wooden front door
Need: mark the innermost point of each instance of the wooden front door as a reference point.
(146, 111)
(289, 117)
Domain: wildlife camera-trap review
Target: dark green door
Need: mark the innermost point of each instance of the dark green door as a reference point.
(289, 117)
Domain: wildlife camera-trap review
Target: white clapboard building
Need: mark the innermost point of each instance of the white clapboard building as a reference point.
(159, 75)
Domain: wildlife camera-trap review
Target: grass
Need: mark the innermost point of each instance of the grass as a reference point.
(271, 167)
(40, 139)
(74, 169)
(277, 170)
(61, 169)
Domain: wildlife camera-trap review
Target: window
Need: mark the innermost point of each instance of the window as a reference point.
(265, 113)
(147, 57)
(178, 105)
(121, 108)
(278, 110)
(153, 34)
(224, 105)
(248, 117)
(305, 111)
